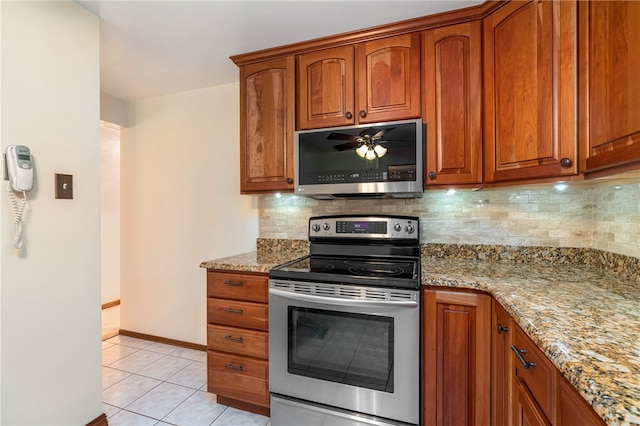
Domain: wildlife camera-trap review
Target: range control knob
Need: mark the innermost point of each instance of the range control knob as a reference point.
(410, 229)
(397, 227)
(326, 226)
(315, 227)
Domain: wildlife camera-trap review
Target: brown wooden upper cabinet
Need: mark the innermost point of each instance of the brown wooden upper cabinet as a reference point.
(453, 104)
(266, 126)
(530, 84)
(609, 83)
(368, 82)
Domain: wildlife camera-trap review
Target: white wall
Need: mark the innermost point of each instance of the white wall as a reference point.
(114, 110)
(110, 212)
(51, 349)
(180, 205)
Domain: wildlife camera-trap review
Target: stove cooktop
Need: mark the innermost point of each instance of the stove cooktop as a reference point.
(393, 273)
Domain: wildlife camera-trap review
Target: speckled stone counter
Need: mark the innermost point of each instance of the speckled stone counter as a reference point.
(580, 306)
(587, 321)
(269, 253)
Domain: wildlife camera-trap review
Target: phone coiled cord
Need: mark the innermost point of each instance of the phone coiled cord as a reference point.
(18, 210)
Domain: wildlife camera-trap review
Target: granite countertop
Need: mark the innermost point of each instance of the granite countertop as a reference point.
(268, 254)
(251, 262)
(586, 320)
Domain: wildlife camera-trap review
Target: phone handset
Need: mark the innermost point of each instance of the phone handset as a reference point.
(19, 173)
(20, 168)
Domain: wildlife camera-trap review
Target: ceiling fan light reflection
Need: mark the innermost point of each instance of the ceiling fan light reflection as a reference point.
(362, 150)
(370, 155)
(380, 150)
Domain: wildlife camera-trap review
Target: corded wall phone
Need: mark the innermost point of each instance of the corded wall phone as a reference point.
(19, 172)
(19, 168)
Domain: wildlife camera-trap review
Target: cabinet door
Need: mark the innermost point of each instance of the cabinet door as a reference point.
(609, 85)
(266, 126)
(535, 372)
(530, 87)
(452, 112)
(501, 389)
(388, 79)
(326, 88)
(527, 412)
(574, 410)
(457, 351)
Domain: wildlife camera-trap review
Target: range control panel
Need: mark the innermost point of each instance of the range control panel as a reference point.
(364, 227)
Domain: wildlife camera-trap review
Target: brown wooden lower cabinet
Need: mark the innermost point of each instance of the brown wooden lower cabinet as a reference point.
(238, 339)
(526, 411)
(481, 368)
(574, 410)
(526, 387)
(457, 351)
(501, 384)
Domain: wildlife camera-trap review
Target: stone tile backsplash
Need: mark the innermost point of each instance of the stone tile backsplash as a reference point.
(605, 216)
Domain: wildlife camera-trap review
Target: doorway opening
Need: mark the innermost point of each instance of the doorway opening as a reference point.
(110, 227)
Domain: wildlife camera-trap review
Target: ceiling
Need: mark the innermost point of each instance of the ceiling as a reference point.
(153, 48)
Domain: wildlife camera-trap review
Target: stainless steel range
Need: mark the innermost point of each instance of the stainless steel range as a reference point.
(344, 325)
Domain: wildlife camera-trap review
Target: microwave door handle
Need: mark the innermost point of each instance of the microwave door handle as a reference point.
(344, 302)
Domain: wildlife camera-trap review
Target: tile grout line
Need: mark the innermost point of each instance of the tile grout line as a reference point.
(195, 390)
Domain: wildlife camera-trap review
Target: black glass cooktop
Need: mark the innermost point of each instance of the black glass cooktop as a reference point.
(397, 273)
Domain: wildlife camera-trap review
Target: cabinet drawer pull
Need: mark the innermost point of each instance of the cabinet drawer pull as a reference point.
(234, 339)
(233, 311)
(236, 283)
(502, 329)
(233, 367)
(519, 353)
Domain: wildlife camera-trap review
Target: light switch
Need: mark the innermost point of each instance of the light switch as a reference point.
(64, 186)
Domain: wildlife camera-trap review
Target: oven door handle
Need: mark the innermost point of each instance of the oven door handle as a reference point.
(345, 302)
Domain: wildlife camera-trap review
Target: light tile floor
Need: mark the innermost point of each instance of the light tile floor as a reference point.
(148, 383)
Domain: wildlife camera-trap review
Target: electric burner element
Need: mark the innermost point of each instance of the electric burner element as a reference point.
(379, 269)
(320, 265)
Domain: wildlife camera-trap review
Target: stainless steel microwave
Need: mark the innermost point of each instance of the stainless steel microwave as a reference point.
(369, 160)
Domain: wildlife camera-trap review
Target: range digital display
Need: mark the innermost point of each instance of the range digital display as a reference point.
(353, 227)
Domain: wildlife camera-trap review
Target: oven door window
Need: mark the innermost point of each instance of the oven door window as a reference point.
(348, 348)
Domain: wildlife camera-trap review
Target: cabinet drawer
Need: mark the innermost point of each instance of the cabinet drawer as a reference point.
(539, 379)
(237, 314)
(238, 341)
(237, 377)
(252, 288)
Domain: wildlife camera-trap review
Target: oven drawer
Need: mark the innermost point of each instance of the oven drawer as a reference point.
(238, 314)
(238, 377)
(538, 379)
(252, 288)
(238, 340)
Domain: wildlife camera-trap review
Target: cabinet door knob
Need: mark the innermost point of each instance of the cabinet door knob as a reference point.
(348, 115)
(566, 162)
(289, 181)
(502, 329)
(432, 175)
(363, 113)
